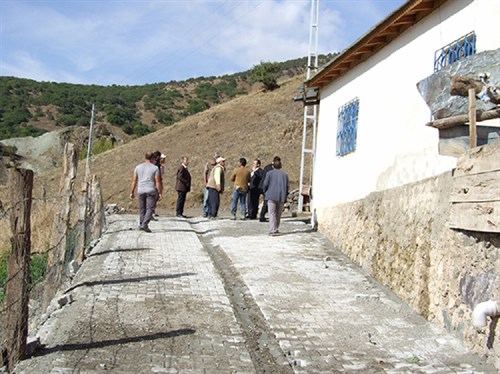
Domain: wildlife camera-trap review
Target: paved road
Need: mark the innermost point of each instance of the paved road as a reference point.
(222, 296)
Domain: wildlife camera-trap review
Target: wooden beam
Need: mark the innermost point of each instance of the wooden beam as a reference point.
(365, 49)
(377, 40)
(479, 160)
(462, 119)
(475, 202)
(483, 187)
(484, 217)
(406, 20)
(472, 118)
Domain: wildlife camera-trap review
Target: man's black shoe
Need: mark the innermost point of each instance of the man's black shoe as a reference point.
(262, 220)
(145, 229)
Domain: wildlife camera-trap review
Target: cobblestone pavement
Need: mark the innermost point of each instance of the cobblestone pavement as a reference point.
(222, 296)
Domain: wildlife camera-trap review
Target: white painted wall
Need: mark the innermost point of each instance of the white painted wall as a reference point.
(394, 147)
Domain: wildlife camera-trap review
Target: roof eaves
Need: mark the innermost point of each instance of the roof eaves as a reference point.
(377, 38)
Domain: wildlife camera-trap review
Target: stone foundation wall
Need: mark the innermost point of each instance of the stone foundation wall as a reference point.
(401, 237)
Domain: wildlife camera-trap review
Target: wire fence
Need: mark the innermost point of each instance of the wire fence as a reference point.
(75, 217)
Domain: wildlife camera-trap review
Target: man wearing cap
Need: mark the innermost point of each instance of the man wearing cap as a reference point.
(163, 158)
(215, 186)
(149, 189)
(206, 173)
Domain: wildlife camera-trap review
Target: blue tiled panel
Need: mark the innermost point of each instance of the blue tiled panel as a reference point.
(347, 127)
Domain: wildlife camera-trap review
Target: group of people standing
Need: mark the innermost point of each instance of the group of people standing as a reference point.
(249, 185)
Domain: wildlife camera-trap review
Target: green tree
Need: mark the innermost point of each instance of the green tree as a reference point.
(207, 91)
(196, 106)
(165, 118)
(16, 116)
(266, 73)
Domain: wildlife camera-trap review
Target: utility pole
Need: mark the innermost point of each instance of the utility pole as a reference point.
(310, 111)
(86, 191)
(89, 145)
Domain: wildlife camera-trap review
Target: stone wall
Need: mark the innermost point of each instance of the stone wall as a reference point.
(401, 237)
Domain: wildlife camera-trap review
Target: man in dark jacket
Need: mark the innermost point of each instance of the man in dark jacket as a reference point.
(254, 190)
(263, 211)
(182, 186)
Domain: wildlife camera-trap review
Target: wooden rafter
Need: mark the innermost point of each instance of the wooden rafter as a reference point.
(380, 36)
(406, 20)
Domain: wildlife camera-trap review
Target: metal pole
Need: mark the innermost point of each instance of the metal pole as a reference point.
(84, 213)
(89, 146)
(313, 43)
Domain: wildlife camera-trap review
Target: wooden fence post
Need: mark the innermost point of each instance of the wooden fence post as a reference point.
(472, 118)
(98, 217)
(62, 221)
(61, 226)
(92, 216)
(82, 227)
(17, 295)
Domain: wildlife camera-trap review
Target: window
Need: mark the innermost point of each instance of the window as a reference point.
(347, 127)
(458, 50)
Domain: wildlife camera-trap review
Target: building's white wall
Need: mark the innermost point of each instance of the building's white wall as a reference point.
(394, 147)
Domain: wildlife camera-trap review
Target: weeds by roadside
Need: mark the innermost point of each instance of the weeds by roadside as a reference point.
(41, 225)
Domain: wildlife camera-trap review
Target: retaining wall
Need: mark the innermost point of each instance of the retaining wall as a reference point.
(401, 237)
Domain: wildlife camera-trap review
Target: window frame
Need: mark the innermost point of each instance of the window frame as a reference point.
(455, 51)
(347, 127)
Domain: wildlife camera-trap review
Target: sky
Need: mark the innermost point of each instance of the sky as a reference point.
(136, 42)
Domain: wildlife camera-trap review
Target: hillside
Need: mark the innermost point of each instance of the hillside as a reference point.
(257, 125)
(261, 124)
(31, 108)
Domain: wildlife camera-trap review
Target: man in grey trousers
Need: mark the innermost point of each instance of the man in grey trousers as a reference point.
(149, 189)
(275, 187)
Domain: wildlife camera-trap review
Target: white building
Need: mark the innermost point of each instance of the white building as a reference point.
(382, 188)
(371, 125)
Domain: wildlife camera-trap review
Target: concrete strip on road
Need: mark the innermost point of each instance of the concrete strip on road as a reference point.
(200, 296)
(144, 303)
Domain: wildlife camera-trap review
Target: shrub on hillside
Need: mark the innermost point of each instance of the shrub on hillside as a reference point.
(38, 267)
(266, 73)
(207, 91)
(165, 118)
(195, 106)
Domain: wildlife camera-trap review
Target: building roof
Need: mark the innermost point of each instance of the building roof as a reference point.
(377, 38)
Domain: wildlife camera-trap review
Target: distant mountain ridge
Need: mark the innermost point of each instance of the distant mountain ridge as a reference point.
(260, 124)
(30, 108)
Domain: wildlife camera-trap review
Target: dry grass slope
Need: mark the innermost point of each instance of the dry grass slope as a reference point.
(258, 125)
